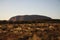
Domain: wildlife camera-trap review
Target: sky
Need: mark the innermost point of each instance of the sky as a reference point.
(10, 8)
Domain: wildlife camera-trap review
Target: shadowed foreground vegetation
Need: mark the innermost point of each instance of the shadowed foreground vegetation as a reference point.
(32, 30)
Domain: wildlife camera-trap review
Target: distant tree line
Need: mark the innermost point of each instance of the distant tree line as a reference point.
(35, 21)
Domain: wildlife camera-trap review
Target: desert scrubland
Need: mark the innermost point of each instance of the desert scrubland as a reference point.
(30, 31)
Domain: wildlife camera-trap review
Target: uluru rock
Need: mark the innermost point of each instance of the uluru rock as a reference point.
(28, 17)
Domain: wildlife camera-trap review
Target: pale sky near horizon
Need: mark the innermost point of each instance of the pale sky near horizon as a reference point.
(9, 8)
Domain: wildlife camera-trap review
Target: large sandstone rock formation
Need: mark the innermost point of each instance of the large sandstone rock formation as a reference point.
(28, 18)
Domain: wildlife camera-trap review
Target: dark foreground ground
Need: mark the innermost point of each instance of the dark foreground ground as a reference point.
(30, 31)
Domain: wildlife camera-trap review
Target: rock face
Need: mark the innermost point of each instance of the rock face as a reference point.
(28, 18)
